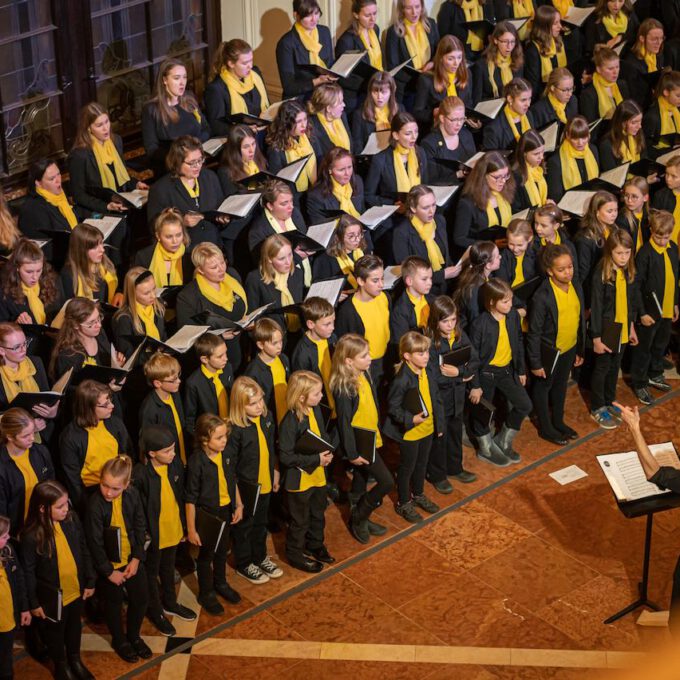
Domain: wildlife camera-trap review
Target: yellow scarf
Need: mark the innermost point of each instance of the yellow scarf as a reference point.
(621, 315)
(109, 278)
(503, 65)
(649, 59)
(571, 177)
(563, 6)
(310, 40)
(524, 9)
(409, 176)
(629, 150)
(237, 88)
(18, 380)
(222, 485)
(250, 168)
(220, 392)
(346, 264)
(523, 122)
(281, 284)
(344, 195)
(197, 115)
(35, 304)
(426, 231)
(667, 304)
(146, 315)
(473, 12)
(504, 208)
(336, 131)
(195, 191)
(616, 25)
(275, 224)
(299, 149)
(264, 477)
(373, 47)
(224, 297)
(158, 266)
(638, 241)
(61, 202)
(670, 117)
(106, 155)
(546, 59)
(451, 90)
(417, 44)
(560, 108)
(536, 186)
(382, 118)
(421, 308)
(606, 101)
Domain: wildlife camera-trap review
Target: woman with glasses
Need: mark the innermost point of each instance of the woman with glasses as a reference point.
(557, 104)
(94, 436)
(192, 189)
(501, 61)
(607, 91)
(645, 57)
(486, 202)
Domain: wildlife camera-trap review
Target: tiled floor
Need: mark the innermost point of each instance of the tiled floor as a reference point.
(513, 579)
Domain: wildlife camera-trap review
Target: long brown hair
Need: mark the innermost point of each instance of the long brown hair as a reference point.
(162, 109)
(335, 245)
(25, 252)
(590, 224)
(378, 81)
(476, 185)
(232, 160)
(448, 44)
(618, 237)
(83, 238)
(69, 341)
(517, 54)
(626, 110)
(227, 51)
(88, 114)
(440, 308)
(85, 402)
(39, 524)
(528, 142)
(334, 154)
(280, 133)
(481, 253)
(541, 31)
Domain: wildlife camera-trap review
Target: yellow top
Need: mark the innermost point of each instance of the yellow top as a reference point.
(28, 473)
(318, 476)
(324, 363)
(568, 316)
(170, 530)
(7, 609)
(417, 43)
(503, 355)
(264, 477)
(375, 315)
(225, 498)
(66, 564)
(278, 371)
(178, 428)
(621, 315)
(366, 415)
(222, 397)
(117, 520)
(425, 428)
(101, 446)
(518, 276)
(422, 309)
(669, 283)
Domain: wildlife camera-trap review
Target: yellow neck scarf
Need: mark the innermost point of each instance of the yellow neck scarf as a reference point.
(109, 278)
(61, 202)
(523, 122)
(373, 47)
(106, 155)
(224, 297)
(669, 281)
(451, 90)
(35, 304)
(195, 191)
(220, 392)
(615, 25)
(276, 225)
(546, 59)
(250, 168)
(522, 8)
(518, 275)
(310, 39)
(237, 88)
(571, 177)
(629, 150)
(299, 148)
(19, 380)
(426, 231)
(670, 117)
(650, 60)
(621, 315)
(504, 208)
(606, 100)
(382, 118)
(409, 176)
(346, 264)
(336, 131)
(146, 315)
(281, 284)
(560, 108)
(417, 44)
(503, 65)
(344, 195)
(473, 12)
(563, 6)
(158, 266)
(536, 186)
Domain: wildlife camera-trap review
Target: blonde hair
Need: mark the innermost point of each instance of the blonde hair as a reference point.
(243, 390)
(412, 342)
(119, 467)
(170, 216)
(271, 247)
(133, 278)
(161, 366)
(203, 252)
(399, 24)
(300, 384)
(12, 422)
(345, 379)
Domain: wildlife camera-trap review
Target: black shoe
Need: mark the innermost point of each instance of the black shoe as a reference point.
(321, 555)
(227, 592)
(443, 487)
(333, 492)
(643, 395)
(211, 604)
(180, 612)
(78, 668)
(359, 529)
(658, 382)
(63, 672)
(143, 650)
(126, 652)
(465, 476)
(310, 566)
(422, 501)
(553, 437)
(668, 364)
(163, 626)
(376, 529)
(567, 431)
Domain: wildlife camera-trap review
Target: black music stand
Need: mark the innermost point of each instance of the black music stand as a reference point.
(631, 510)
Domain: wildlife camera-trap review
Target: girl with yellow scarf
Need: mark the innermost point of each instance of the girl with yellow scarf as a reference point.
(646, 56)
(607, 91)
(513, 121)
(532, 187)
(502, 61)
(413, 36)
(662, 119)
(47, 186)
(349, 243)
(329, 123)
(454, 14)
(624, 141)
(614, 23)
(545, 50)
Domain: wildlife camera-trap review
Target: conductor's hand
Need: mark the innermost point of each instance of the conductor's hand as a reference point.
(630, 416)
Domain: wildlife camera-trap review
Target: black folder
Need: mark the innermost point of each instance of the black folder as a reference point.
(549, 356)
(526, 290)
(457, 357)
(611, 334)
(50, 599)
(414, 404)
(102, 374)
(310, 444)
(209, 528)
(491, 234)
(246, 119)
(365, 441)
(28, 400)
(112, 545)
(250, 495)
(482, 412)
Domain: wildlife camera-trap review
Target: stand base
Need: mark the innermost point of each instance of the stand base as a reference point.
(641, 602)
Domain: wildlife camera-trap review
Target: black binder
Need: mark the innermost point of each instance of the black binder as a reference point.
(414, 404)
(549, 356)
(29, 400)
(365, 441)
(250, 495)
(209, 527)
(310, 444)
(457, 357)
(482, 412)
(524, 291)
(611, 335)
(50, 599)
(112, 544)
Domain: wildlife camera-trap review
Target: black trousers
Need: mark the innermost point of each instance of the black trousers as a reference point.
(250, 535)
(446, 456)
(160, 564)
(507, 383)
(549, 394)
(383, 478)
(307, 521)
(211, 565)
(6, 660)
(413, 457)
(647, 355)
(111, 598)
(63, 638)
(603, 378)
(674, 620)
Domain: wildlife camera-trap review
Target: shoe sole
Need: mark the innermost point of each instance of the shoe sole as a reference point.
(255, 582)
(164, 634)
(603, 426)
(490, 462)
(271, 576)
(179, 616)
(661, 388)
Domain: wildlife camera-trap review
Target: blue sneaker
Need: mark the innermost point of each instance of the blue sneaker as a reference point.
(603, 418)
(615, 413)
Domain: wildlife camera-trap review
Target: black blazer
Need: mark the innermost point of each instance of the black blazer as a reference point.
(319, 204)
(651, 126)
(403, 316)
(635, 72)
(508, 263)
(260, 229)
(452, 390)
(40, 378)
(291, 54)
(143, 257)
(399, 420)
(396, 51)
(10, 309)
(353, 85)
(521, 201)
(555, 173)
(608, 160)
(202, 487)
(361, 129)
(84, 175)
(154, 412)
(169, 192)
(451, 18)
(664, 199)
(381, 183)
(482, 87)
(17, 583)
(261, 373)
(650, 277)
(71, 359)
(588, 102)
(428, 99)
(564, 240)
(148, 484)
(69, 286)
(243, 448)
(323, 141)
(157, 136)
(497, 136)
(603, 301)
(346, 408)
(326, 266)
(633, 226)
(290, 430)
(532, 68)
(305, 355)
(544, 113)
(470, 221)
(588, 253)
(260, 293)
(543, 320)
(200, 396)
(597, 34)
(98, 518)
(484, 336)
(435, 148)
(44, 567)
(126, 338)
(12, 486)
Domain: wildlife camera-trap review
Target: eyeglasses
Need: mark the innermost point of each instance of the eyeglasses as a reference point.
(353, 237)
(510, 43)
(566, 90)
(174, 380)
(92, 324)
(455, 120)
(500, 179)
(195, 164)
(105, 404)
(20, 346)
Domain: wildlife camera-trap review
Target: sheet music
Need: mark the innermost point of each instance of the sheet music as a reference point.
(377, 214)
(378, 141)
(517, 23)
(490, 108)
(576, 202)
(185, 337)
(664, 158)
(213, 145)
(328, 290)
(550, 137)
(390, 276)
(568, 475)
(270, 113)
(346, 62)
(40, 243)
(472, 161)
(239, 205)
(616, 176)
(322, 233)
(443, 194)
(521, 215)
(393, 72)
(291, 172)
(138, 197)
(577, 15)
(105, 224)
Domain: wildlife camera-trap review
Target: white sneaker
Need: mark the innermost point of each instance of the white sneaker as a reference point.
(270, 568)
(254, 574)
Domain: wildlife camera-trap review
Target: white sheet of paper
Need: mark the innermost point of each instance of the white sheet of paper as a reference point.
(442, 194)
(185, 337)
(577, 15)
(521, 215)
(393, 72)
(490, 107)
(270, 113)
(664, 158)
(378, 141)
(345, 63)
(322, 233)
(550, 137)
(472, 161)
(377, 214)
(568, 475)
(616, 176)
(239, 205)
(105, 224)
(292, 172)
(576, 202)
(391, 276)
(328, 290)
(138, 197)
(213, 145)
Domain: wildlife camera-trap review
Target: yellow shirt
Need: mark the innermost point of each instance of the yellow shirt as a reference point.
(117, 520)
(318, 477)
(621, 315)
(264, 477)
(366, 415)
(324, 363)
(503, 355)
(375, 315)
(7, 609)
(518, 277)
(66, 564)
(101, 446)
(568, 316)
(425, 428)
(28, 473)
(178, 427)
(278, 371)
(225, 498)
(170, 530)
(222, 399)
(422, 309)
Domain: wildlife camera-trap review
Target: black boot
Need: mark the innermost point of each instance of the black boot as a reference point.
(78, 668)
(62, 671)
(358, 524)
